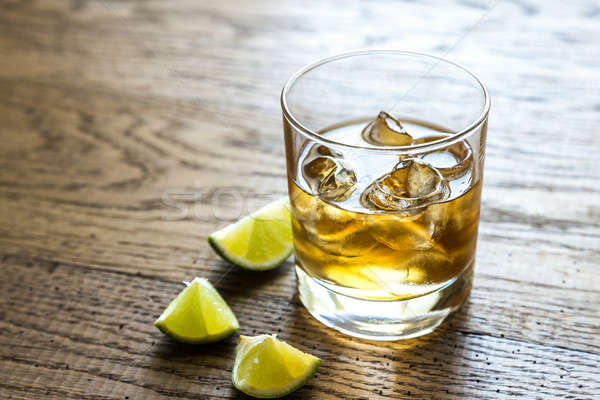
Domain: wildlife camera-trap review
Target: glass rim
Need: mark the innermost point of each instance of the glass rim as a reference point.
(429, 146)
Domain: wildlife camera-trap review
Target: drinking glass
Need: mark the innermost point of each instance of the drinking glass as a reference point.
(385, 153)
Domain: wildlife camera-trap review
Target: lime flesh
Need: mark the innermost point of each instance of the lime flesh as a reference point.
(198, 315)
(267, 368)
(258, 242)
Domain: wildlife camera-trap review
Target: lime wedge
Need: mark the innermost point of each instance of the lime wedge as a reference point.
(258, 242)
(198, 315)
(267, 368)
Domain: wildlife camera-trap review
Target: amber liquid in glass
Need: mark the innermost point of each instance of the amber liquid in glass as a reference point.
(386, 249)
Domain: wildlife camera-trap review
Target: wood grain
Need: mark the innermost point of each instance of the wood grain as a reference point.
(115, 113)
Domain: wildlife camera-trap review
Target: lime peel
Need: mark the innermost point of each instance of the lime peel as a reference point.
(258, 242)
(198, 315)
(266, 367)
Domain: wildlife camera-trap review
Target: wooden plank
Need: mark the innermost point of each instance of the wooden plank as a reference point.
(115, 113)
(70, 330)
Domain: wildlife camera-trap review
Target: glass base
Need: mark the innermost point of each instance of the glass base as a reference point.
(383, 320)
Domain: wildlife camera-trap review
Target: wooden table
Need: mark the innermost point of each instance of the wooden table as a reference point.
(114, 112)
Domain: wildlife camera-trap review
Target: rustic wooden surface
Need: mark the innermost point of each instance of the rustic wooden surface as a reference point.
(110, 108)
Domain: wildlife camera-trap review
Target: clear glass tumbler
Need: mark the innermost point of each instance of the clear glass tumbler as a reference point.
(385, 155)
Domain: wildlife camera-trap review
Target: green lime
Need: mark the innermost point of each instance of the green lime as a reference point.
(198, 315)
(258, 242)
(267, 368)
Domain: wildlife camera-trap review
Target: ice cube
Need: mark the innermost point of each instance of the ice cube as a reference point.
(316, 170)
(421, 179)
(410, 272)
(386, 130)
(403, 232)
(340, 184)
(327, 174)
(411, 184)
(335, 231)
(453, 162)
(320, 150)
